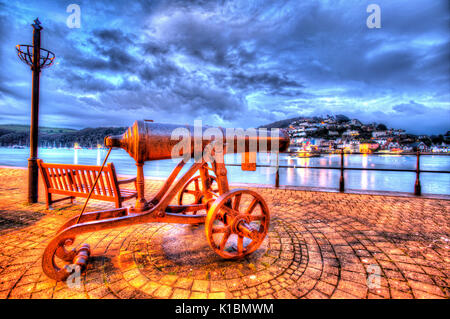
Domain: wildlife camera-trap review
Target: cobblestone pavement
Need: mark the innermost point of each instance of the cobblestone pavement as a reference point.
(320, 245)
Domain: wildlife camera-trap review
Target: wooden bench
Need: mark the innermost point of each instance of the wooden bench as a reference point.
(77, 181)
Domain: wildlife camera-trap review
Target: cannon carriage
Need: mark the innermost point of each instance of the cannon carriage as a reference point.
(236, 221)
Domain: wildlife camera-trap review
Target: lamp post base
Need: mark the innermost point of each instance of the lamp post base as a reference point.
(33, 180)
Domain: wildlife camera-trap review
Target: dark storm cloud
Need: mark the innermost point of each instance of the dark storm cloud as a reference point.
(261, 80)
(233, 63)
(114, 37)
(151, 47)
(11, 90)
(3, 22)
(160, 69)
(85, 83)
(107, 56)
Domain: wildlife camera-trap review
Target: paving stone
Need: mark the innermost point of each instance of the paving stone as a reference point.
(179, 293)
(163, 292)
(198, 295)
(200, 285)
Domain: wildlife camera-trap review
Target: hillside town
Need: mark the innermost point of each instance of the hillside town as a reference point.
(331, 134)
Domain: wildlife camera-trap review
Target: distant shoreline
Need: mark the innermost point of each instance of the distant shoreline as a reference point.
(336, 152)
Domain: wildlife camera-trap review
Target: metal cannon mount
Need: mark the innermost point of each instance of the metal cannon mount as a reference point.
(236, 221)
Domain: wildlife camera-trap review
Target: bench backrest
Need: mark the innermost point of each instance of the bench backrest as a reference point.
(79, 179)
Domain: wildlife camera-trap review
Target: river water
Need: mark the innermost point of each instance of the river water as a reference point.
(432, 183)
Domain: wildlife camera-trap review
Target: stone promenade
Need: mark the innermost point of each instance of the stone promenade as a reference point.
(320, 245)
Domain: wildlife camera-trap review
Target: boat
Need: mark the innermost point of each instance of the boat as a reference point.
(394, 151)
(307, 154)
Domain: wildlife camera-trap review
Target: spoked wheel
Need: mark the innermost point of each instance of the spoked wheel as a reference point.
(237, 223)
(193, 193)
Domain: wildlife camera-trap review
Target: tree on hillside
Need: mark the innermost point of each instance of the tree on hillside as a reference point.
(340, 118)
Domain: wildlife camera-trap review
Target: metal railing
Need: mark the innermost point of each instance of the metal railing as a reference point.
(342, 168)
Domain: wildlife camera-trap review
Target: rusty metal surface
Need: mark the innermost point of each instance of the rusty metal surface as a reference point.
(235, 209)
(147, 141)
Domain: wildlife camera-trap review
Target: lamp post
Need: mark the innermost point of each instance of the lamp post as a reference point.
(37, 58)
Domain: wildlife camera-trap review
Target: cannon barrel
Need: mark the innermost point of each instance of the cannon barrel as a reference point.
(147, 141)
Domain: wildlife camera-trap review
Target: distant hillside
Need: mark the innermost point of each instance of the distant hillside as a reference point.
(282, 123)
(26, 128)
(287, 122)
(56, 137)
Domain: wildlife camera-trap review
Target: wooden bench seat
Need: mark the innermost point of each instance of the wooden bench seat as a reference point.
(77, 181)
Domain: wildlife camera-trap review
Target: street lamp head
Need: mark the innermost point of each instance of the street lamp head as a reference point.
(37, 24)
(43, 59)
(25, 53)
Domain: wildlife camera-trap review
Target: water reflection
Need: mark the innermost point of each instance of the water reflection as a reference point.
(323, 178)
(366, 180)
(99, 160)
(364, 160)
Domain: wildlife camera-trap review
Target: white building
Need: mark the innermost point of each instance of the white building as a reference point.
(379, 134)
(350, 133)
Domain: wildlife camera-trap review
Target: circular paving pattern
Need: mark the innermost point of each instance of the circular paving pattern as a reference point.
(175, 261)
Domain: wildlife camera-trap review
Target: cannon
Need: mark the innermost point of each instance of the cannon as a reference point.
(236, 221)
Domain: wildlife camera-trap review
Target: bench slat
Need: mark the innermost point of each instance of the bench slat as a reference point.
(97, 188)
(68, 179)
(83, 175)
(78, 177)
(73, 180)
(48, 177)
(108, 177)
(102, 184)
(73, 166)
(56, 177)
(90, 183)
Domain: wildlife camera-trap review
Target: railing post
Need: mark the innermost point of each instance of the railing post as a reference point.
(417, 187)
(277, 174)
(341, 179)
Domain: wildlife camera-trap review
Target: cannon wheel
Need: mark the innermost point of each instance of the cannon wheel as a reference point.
(237, 223)
(193, 187)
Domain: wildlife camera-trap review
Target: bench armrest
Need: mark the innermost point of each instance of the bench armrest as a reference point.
(126, 181)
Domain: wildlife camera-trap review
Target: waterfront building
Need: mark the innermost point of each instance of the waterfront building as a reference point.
(368, 146)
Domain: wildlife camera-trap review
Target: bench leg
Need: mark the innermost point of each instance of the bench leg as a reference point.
(48, 200)
(118, 203)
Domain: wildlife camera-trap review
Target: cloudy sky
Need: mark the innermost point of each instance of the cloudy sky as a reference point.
(231, 63)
